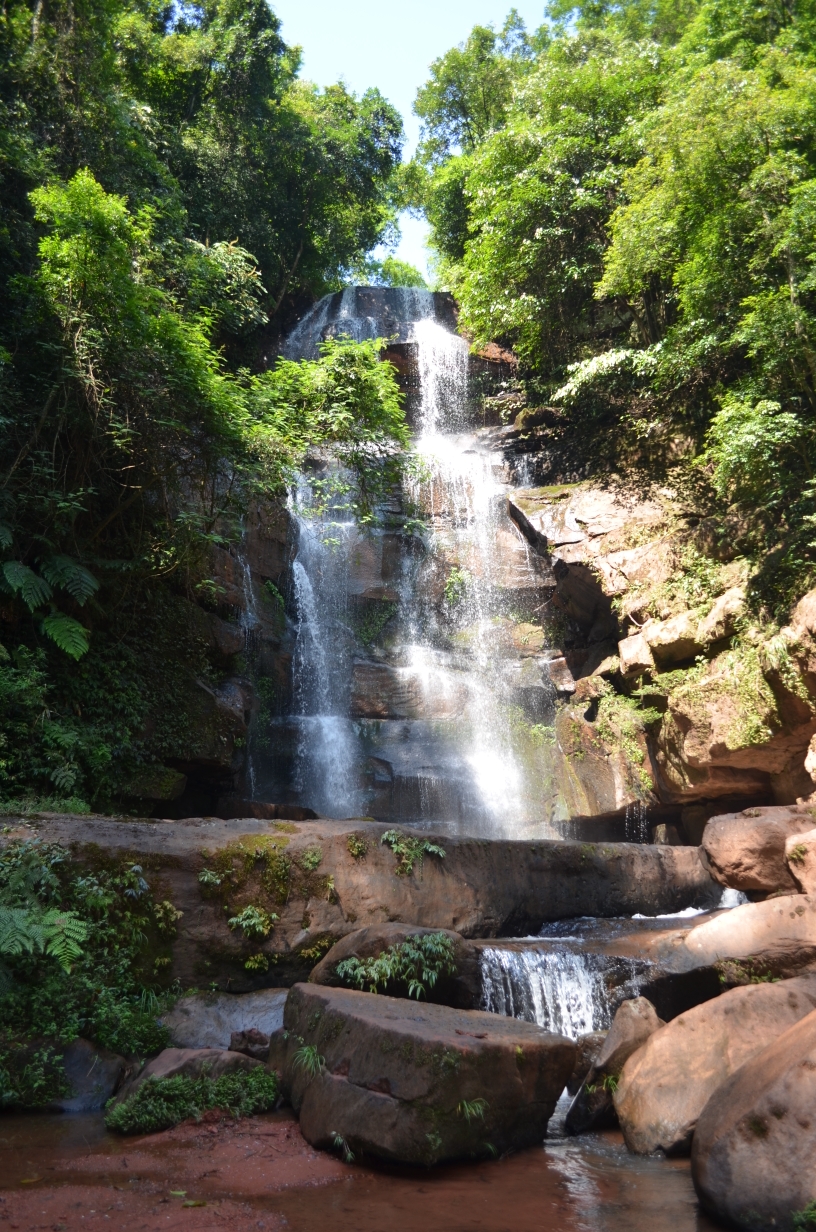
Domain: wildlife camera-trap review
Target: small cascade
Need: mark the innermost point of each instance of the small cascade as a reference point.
(636, 823)
(571, 992)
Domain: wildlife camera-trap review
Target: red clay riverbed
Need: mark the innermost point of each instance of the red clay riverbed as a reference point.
(67, 1174)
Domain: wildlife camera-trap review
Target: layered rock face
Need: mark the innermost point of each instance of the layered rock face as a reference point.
(416, 1083)
(318, 881)
(737, 715)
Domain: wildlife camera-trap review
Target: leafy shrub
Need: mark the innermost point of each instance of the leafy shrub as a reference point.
(805, 1220)
(416, 963)
(253, 921)
(31, 1075)
(80, 953)
(159, 1103)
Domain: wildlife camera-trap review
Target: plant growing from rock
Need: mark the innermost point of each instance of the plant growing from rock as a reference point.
(357, 847)
(472, 1110)
(339, 1143)
(415, 963)
(410, 850)
(308, 1058)
(253, 921)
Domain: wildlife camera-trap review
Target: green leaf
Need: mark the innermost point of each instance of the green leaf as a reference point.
(33, 590)
(71, 576)
(6, 537)
(69, 634)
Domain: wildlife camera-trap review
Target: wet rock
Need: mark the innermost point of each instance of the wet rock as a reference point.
(190, 1062)
(561, 676)
(800, 853)
(593, 1106)
(462, 990)
(251, 1043)
(665, 1085)
(93, 1074)
(722, 620)
(418, 1083)
(747, 850)
(588, 1046)
(210, 1019)
(753, 1162)
(635, 655)
(673, 640)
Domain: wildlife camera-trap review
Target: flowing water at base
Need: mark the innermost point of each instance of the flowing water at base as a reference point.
(86, 1178)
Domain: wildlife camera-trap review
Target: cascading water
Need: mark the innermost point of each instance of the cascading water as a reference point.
(327, 754)
(566, 991)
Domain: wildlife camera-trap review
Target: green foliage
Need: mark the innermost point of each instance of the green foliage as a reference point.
(748, 446)
(357, 847)
(169, 189)
(159, 1103)
(78, 957)
(392, 272)
(797, 854)
(31, 1075)
(253, 921)
(805, 1219)
(456, 586)
(373, 618)
(472, 1110)
(410, 850)
(308, 1058)
(339, 1143)
(311, 858)
(415, 963)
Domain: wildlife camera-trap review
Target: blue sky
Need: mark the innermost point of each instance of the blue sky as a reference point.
(372, 43)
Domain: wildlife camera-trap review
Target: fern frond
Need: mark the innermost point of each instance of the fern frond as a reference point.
(33, 589)
(20, 932)
(69, 634)
(6, 537)
(65, 935)
(70, 575)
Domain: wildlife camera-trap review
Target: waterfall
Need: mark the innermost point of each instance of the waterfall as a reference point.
(566, 991)
(327, 755)
(452, 705)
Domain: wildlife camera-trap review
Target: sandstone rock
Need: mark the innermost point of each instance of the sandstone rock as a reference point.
(665, 1085)
(418, 1083)
(209, 1019)
(588, 1046)
(251, 1043)
(800, 853)
(673, 640)
(480, 888)
(747, 850)
(192, 1062)
(93, 1074)
(462, 990)
(779, 934)
(632, 1025)
(722, 620)
(753, 1161)
(635, 655)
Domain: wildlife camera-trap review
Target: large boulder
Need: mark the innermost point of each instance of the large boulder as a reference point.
(416, 1083)
(665, 1085)
(778, 936)
(753, 1162)
(93, 1074)
(747, 850)
(675, 639)
(210, 1019)
(632, 1025)
(463, 989)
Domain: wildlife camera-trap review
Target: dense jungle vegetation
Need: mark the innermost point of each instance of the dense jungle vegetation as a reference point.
(627, 198)
(171, 194)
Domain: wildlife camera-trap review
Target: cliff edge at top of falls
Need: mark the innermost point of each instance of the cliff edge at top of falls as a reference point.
(320, 880)
(658, 630)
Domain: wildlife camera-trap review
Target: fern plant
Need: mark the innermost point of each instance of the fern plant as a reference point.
(37, 589)
(416, 963)
(27, 930)
(410, 850)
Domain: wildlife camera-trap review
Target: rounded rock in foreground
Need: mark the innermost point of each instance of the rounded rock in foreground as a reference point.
(754, 1157)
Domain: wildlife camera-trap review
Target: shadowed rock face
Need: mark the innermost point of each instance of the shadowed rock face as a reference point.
(326, 879)
(753, 1162)
(747, 850)
(417, 1083)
